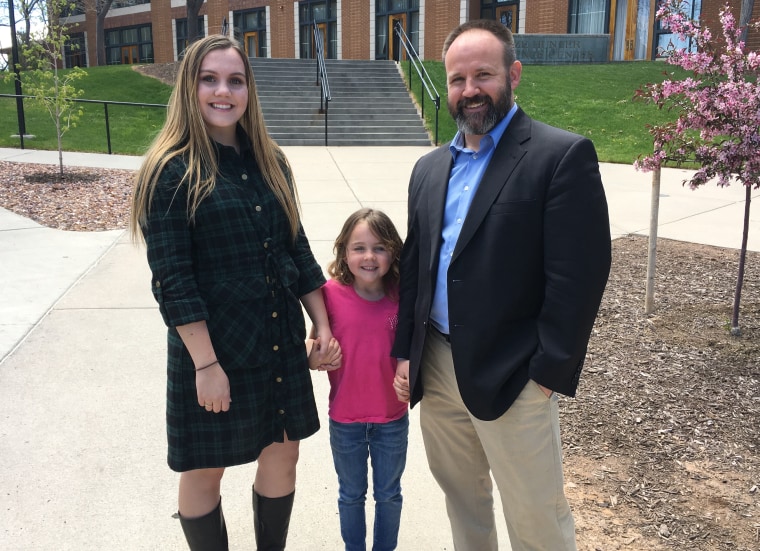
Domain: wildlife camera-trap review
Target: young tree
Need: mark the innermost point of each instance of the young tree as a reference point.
(718, 124)
(50, 86)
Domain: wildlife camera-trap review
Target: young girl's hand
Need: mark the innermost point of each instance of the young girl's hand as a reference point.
(401, 381)
(325, 358)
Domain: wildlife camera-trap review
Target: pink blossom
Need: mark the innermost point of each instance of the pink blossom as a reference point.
(718, 107)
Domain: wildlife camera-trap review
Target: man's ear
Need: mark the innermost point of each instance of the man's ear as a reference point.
(515, 72)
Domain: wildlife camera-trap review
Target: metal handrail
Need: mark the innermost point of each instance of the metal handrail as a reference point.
(322, 81)
(427, 82)
(105, 103)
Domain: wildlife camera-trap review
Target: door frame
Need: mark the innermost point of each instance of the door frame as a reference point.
(129, 54)
(392, 40)
(323, 30)
(247, 36)
(513, 9)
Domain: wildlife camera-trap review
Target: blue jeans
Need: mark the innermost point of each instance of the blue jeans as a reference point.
(385, 444)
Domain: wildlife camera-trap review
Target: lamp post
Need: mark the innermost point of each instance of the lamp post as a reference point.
(15, 61)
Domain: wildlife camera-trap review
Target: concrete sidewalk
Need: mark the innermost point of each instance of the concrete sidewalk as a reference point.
(82, 363)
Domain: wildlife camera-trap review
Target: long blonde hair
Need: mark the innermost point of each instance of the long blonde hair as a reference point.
(184, 135)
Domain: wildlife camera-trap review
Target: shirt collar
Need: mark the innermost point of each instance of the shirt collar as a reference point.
(245, 144)
(488, 141)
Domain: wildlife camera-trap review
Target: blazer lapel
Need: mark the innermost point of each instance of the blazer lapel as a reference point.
(439, 177)
(508, 154)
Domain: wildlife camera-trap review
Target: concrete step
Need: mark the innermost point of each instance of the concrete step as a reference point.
(370, 104)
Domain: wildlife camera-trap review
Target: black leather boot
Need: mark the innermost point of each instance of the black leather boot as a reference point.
(206, 533)
(271, 519)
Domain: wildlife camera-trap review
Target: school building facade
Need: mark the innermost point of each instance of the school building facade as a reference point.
(145, 31)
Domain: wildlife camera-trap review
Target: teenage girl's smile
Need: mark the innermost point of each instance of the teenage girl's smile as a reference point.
(222, 94)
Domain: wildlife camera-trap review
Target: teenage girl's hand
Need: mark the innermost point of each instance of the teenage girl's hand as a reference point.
(401, 381)
(325, 358)
(213, 388)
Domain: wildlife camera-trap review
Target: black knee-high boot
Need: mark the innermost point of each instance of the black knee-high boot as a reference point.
(206, 533)
(271, 519)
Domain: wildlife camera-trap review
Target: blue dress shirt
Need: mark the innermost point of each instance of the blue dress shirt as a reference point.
(467, 171)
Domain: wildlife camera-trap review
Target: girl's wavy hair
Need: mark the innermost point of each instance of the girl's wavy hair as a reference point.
(184, 135)
(382, 227)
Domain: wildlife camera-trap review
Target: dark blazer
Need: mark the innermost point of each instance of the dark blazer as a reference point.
(528, 271)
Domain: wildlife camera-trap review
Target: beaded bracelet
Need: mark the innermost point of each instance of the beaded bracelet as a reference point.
(207, 366)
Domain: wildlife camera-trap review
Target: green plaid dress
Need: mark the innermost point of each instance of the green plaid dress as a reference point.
(237, 268)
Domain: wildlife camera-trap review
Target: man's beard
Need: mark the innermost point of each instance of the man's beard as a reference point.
(478, 124)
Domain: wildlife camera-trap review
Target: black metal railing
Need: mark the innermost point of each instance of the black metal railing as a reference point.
(105, 109)
(322, 82)
(427, 82)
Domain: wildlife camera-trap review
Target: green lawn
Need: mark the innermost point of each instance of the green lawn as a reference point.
(593, 100)
(132, 128)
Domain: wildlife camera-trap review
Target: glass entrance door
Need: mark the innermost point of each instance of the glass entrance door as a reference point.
(129, 54)
(396, 51)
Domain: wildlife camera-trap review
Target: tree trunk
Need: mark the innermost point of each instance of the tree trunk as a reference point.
(652, 258)
(735, 329)
(745, 16)
(193, 7)
(101, 10)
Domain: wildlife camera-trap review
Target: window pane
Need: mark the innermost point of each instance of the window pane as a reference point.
(381, 37)
(319, 12)
(129, 36)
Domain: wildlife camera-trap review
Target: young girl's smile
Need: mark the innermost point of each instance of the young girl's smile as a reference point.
(369, 260)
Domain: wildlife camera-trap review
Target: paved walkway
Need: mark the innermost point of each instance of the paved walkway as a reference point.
(82, 363)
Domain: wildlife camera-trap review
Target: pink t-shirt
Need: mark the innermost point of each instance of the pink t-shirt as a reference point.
(361, 391)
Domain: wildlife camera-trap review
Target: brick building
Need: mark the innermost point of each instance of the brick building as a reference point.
(145, 31)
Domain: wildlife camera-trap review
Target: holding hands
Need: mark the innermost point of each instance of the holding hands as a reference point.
(325, 357)
(401, 381)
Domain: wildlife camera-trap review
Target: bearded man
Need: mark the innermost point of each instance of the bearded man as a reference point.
(506, 258)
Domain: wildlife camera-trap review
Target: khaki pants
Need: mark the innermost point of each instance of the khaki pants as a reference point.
(521, 449)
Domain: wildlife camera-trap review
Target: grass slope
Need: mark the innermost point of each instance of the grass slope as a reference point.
(593, 100)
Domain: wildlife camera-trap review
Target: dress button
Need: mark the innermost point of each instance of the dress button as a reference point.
(278, 379)
(258, 208)
(158, 284)
(244, 176)
(274, 314)
(266, 245)
(281, 411)
(275, 348)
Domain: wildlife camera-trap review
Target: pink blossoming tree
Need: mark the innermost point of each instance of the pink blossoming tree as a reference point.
(718, 108)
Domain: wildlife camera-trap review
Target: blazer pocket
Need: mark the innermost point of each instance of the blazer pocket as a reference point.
(513, 207)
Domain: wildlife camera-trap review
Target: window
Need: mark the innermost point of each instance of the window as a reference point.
(505, 11)
(323, 14)
(128, 3)
(389, 13)
(664, 40)
(251, 30)
(75, 51)
(182, 34)
(588, 16)
(129, 45)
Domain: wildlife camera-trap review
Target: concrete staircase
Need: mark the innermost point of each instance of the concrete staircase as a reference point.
(370, 103)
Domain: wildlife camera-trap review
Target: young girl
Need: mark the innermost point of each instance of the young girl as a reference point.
(215, 204)
(366, 418)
